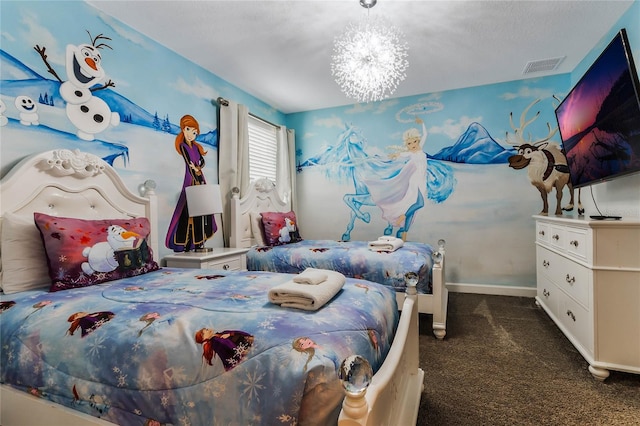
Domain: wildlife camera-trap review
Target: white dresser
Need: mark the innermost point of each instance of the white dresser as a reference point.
(588, 279)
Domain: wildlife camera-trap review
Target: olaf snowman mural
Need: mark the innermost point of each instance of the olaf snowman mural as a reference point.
(88, 113)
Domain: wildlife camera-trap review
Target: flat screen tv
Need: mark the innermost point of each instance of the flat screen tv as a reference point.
(599, 120)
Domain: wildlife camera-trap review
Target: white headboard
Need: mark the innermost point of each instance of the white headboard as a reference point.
(74, 184)
(262, 197)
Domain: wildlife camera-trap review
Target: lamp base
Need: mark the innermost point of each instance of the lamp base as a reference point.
(203, 250)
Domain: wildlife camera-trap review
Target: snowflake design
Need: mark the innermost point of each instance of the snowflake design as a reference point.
(61, 274)
(240, 350)
(96, 345)
(164, 400)
(122, 380)
(267, 324)
(145, 380)
(62, 258)
(286, 418)
(253, 386)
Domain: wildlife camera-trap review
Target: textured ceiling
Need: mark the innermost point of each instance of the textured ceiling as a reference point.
(280, 51)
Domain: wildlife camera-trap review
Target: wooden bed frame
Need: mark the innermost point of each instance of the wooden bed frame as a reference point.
(263, 197)
(76, 184)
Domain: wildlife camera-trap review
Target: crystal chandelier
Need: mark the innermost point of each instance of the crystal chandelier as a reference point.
(370, 58)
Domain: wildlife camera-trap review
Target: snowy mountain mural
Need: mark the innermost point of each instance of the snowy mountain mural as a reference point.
(475, 146)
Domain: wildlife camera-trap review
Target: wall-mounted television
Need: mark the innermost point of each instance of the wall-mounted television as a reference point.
(599, 120)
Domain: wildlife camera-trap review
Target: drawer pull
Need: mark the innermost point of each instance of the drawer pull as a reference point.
(570, 280)
(541, 233)
(226, 267)
(545, 292)
(556, 237)
(571, 315)
(574, 243)
(545, 263)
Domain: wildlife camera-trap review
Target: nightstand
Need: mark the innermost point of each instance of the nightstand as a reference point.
(228, 259)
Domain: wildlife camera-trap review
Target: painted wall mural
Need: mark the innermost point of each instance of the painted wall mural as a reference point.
(187, 233)
(361, 165)
(72, 77)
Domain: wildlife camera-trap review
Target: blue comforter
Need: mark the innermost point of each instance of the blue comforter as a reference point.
(187, 346)
(352, 258)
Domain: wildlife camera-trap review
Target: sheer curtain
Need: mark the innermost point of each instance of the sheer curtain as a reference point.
(233, 156)
(285, 166)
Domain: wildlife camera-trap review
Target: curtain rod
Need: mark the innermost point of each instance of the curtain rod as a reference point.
(222, 101)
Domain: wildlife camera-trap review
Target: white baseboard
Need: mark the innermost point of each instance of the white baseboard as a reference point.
(498, 290)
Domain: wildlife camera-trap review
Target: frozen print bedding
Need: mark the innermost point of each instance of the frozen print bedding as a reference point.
(197, 347)
(353, 259)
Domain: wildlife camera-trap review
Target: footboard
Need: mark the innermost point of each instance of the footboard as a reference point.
(393, 396)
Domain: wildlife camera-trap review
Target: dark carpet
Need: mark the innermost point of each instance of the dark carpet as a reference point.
(504, 362)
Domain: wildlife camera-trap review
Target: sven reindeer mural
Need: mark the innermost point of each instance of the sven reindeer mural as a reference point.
(547, 164)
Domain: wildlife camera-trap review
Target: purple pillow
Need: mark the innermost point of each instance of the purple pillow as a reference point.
(280, 228)
(84, 252)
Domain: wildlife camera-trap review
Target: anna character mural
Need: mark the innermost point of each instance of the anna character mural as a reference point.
(186, 233)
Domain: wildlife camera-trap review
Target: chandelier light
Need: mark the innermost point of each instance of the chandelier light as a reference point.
(370, 58)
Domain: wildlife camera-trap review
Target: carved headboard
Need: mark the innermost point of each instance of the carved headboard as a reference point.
(74, 184)
(262, 197)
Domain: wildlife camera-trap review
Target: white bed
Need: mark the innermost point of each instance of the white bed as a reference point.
(262, 197)
(80, 185)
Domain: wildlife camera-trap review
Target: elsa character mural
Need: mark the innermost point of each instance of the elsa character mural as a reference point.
(403, 191)
(399, 186)
(186, 233)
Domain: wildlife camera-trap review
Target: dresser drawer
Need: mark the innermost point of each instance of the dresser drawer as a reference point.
(576, 243)
(577, 321)
(549, 264)
(229, 264)
(548, 295)
(575, 280)
(557, 237)
(542, 232)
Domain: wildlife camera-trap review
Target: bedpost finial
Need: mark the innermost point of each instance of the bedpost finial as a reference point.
(147, 187)
(355, 374)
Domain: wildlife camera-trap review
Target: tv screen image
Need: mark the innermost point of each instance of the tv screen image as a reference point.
(599, 120)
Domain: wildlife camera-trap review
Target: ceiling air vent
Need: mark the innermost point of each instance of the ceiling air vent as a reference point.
(542, 65)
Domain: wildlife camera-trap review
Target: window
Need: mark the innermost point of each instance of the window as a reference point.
(263, 149)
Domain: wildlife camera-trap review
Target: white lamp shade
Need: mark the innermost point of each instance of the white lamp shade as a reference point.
(203, 200)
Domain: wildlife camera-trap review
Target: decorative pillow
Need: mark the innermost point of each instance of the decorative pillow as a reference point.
(24, 264)
(83, 252)
(256, 228)
(280, 228)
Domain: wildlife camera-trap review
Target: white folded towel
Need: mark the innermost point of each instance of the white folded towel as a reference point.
(308, 297)
(386, 243)
(311, 276)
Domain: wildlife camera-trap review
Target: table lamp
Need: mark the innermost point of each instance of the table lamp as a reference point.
(203, 200)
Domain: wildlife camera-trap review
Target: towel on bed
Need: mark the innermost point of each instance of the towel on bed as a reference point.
(386, 243)
(311, 276)
(308, 297)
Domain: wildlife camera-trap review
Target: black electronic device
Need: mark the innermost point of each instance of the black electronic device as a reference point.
(600, 217)
(599, 120)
